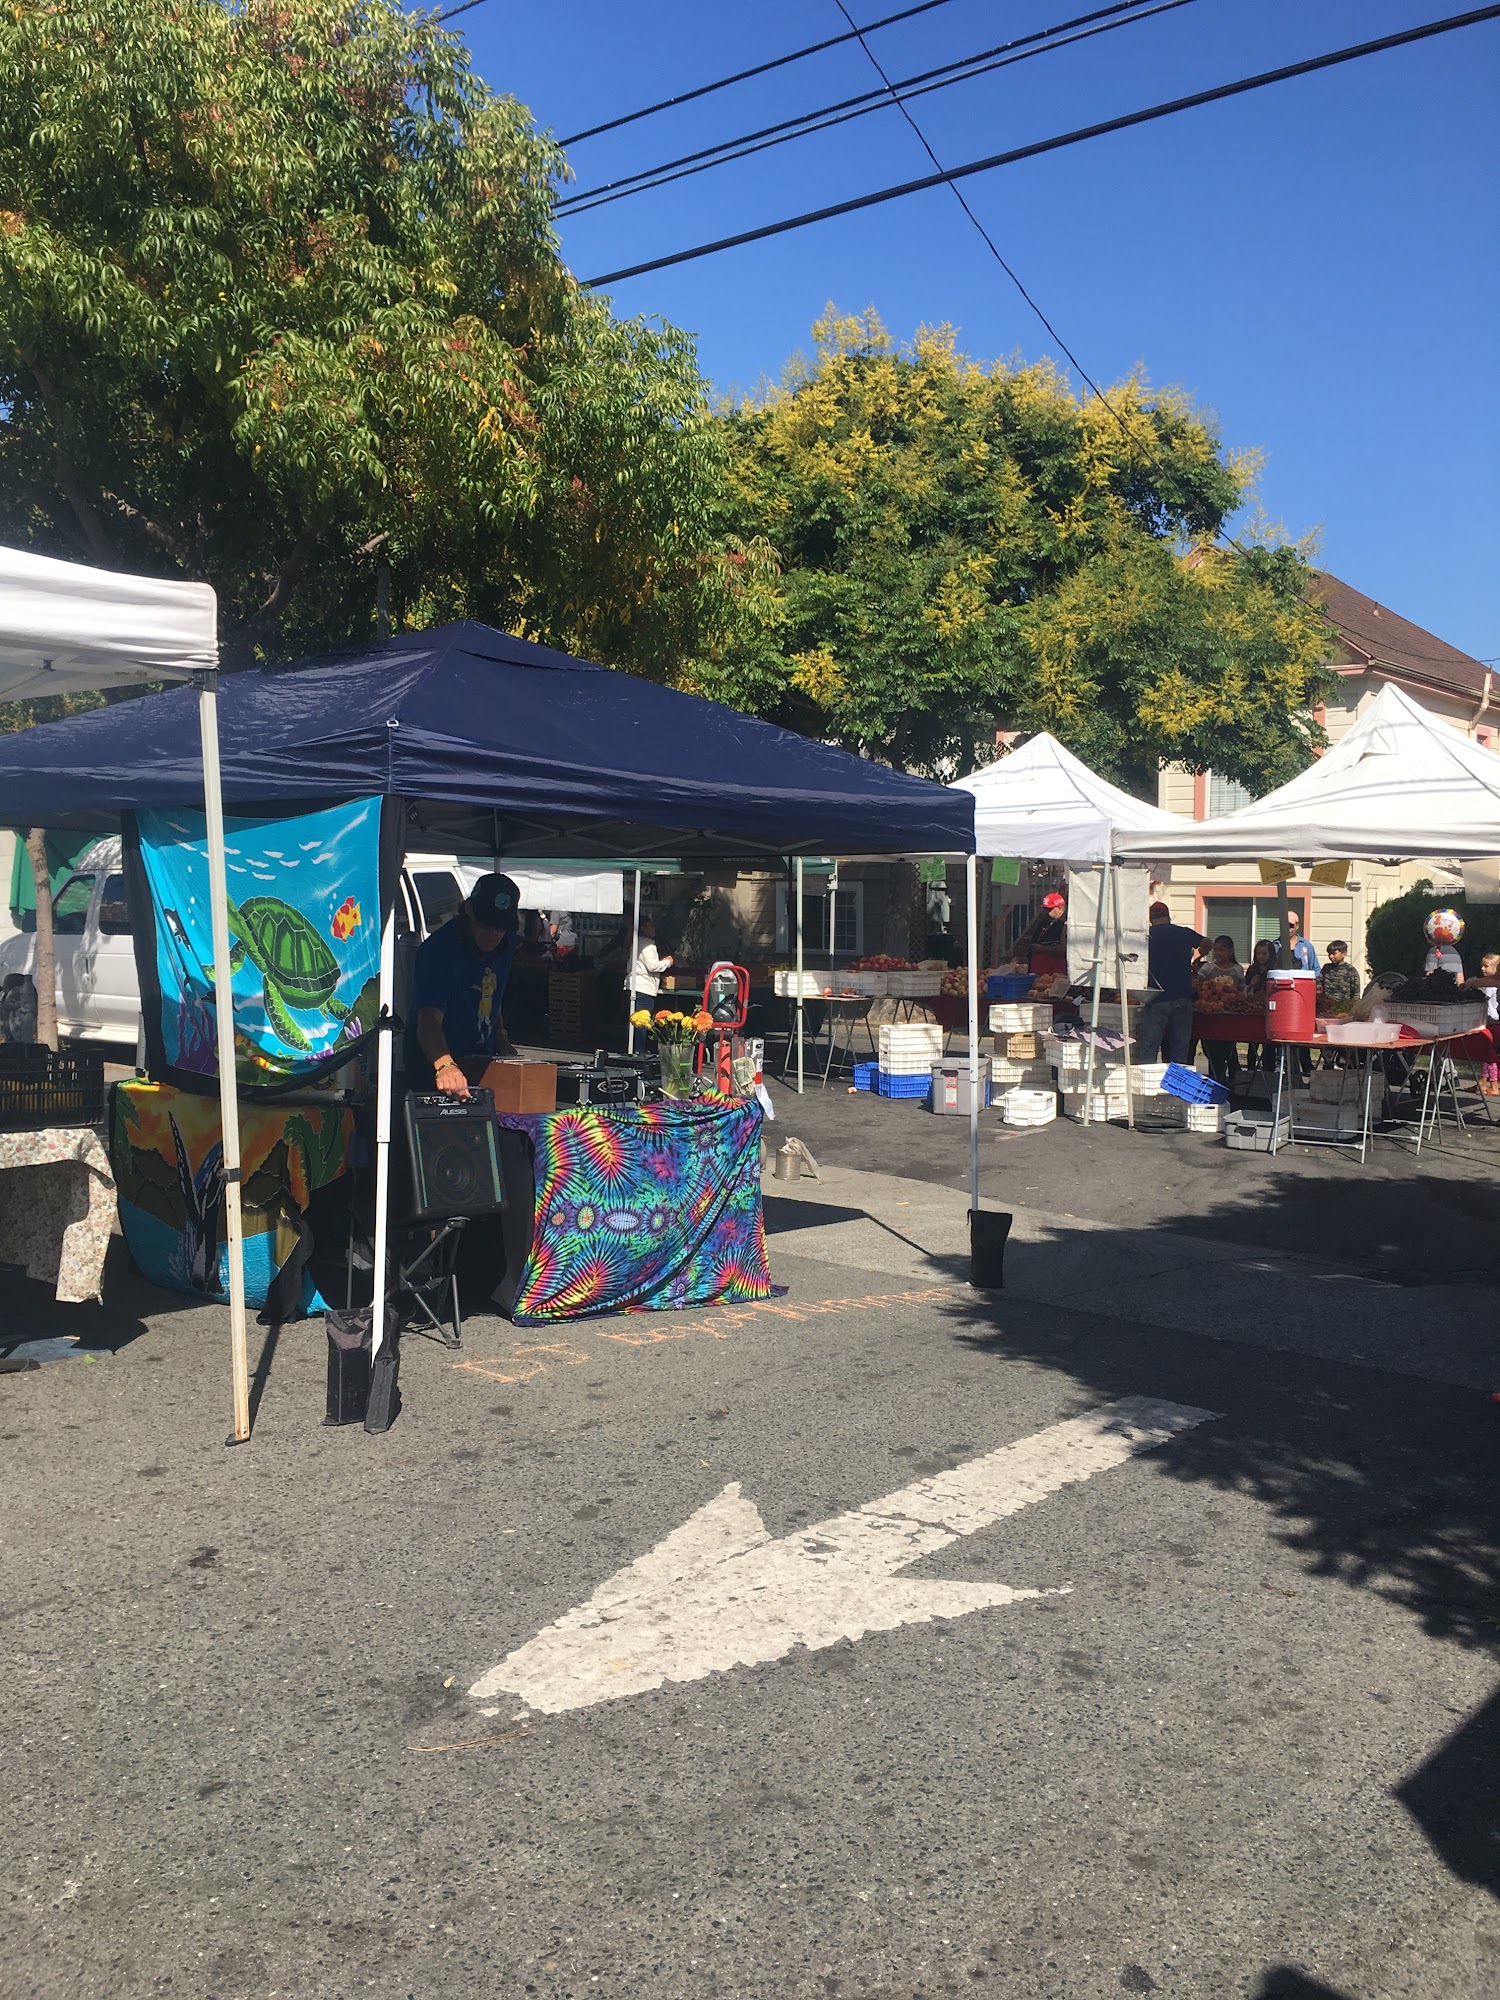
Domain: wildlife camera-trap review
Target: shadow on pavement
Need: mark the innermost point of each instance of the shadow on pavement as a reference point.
(1455, 1796)
(1422, 1229)
(1381, 1482)
(1285, 1982)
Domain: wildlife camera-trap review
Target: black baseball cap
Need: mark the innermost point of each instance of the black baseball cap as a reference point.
(495, 902)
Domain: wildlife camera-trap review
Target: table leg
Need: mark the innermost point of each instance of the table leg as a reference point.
(1282, 1049)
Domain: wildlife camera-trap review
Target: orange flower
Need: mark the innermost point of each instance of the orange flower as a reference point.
(703, 1021)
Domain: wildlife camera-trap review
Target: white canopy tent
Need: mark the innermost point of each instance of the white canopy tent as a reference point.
(1400, 786)
(1041, 803)
(66, 629)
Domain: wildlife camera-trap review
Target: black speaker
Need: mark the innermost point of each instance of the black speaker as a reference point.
(454, 1167)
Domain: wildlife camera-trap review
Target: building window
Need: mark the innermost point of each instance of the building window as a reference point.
(1225, 796)
(848, 920)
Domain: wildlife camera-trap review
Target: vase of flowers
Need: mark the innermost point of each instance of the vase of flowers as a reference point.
(676, 1038)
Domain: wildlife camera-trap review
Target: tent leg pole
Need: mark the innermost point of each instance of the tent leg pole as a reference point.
(229, 1108)
(384, 1063)
(1124, 992)
(635, 946)
(973, 928)
(797, 919)
(1088, 1068)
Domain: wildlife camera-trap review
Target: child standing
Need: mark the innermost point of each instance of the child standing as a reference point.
(1489, 979)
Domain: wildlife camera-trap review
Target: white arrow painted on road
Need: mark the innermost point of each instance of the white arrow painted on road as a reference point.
(720, 1593)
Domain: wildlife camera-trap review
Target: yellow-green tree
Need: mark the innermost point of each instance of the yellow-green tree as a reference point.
(964, 546)
(281, 305)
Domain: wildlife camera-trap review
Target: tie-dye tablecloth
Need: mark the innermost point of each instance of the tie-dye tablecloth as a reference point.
(636, 1208)
(57, 1208)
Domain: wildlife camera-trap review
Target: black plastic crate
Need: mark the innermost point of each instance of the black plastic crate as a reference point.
(40, 1087)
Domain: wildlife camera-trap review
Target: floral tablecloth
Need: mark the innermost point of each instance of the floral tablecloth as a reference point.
(57, 1207)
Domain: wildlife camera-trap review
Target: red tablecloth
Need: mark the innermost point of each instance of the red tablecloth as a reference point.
(1229, 1027)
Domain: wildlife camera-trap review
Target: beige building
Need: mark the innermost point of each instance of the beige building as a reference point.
(1374, 646)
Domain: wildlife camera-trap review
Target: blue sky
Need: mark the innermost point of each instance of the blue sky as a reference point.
(1316, 261)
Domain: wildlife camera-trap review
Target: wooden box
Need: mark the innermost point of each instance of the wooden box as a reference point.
(1022, 1047)
(519, 1086)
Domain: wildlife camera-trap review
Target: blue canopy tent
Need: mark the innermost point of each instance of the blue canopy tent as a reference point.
(497, 747)
(502, 747)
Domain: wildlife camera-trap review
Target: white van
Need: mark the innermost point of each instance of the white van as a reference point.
(98, 997)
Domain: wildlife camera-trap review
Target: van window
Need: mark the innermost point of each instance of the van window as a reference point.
(70, 907)
(440, 893)
(114, 910)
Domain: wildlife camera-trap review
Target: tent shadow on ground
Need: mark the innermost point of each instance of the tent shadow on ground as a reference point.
(1382, 1482)
(1423, 1228)
(1455, 1797)
(1287, 1982)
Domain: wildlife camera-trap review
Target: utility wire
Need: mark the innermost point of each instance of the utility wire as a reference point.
(1119, 15)
(985, 237)
(1133, 439)
(1041, 146)
(740, 76)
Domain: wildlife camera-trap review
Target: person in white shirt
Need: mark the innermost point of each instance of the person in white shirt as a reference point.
(643, 980)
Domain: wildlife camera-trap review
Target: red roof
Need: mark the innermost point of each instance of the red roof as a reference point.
(1381, 640)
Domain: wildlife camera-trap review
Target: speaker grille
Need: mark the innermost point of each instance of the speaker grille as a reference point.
(455, 1169)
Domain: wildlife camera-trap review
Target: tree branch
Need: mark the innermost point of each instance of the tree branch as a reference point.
(153, 530)
(69, 484)
(287, 579)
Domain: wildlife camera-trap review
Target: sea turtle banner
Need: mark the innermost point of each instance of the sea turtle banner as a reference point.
(304, 933)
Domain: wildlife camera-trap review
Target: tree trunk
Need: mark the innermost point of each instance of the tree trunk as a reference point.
(44, 962)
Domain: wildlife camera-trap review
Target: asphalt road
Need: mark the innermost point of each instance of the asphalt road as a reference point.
(1251, 1751)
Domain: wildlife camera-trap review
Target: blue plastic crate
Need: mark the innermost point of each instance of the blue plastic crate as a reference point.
(1191, 1087)
(864, 1075)
(1007, 986)
(890, 1084)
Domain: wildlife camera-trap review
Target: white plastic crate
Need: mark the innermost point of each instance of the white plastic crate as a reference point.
(910, 1038)
(1065, 1054)
(1203, 1117)
(1095, 1107)
(1029, 1075)
(1019, 1017)
(910, 1062)
(1028, 1107)
(785, 984)
(914, 985)
(1146, 1077)
(870, 984)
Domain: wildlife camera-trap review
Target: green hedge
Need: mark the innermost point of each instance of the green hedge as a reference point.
(1396, 941)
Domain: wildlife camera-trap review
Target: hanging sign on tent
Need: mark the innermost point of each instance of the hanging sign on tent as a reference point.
(1330, 874)
(304, 931)
(1276, 871)
(934, 870)
(1005, 868)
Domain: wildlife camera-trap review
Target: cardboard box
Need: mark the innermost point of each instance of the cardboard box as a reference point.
(518, 1086)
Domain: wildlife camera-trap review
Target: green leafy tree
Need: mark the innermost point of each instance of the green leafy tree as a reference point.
(965, 546)
(280, 303)
(1395, 940)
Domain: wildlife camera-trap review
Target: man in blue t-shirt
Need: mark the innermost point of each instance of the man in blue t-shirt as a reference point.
(458, 985)
(1166, 1020)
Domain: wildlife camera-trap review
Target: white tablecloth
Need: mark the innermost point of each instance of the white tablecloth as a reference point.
(57, 1207)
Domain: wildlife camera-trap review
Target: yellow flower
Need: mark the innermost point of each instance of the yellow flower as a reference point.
(640, 1018)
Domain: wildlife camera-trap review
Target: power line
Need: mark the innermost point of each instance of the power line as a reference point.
(1132, 439)
(1041, 146)
(1121, 14)
(741, 76)
(989, 242)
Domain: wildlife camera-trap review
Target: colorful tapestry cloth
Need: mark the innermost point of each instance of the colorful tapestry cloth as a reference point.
(167, 1151)
(642, 1208)
(56, 1218)
(304, 928)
